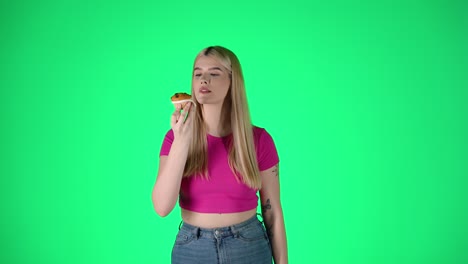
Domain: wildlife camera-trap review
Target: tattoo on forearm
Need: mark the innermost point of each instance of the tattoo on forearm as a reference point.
(276, 170)
(269, 230)
(266, 206)
(268, 227)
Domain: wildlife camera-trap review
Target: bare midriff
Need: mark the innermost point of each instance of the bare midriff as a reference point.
(210, 220)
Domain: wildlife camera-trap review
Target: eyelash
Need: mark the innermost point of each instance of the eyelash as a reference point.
(212, 74)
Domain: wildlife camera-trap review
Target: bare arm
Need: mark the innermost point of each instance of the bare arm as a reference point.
(272, 213)
(171, 167)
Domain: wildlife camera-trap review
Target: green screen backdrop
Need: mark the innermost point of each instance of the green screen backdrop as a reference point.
(366, 102)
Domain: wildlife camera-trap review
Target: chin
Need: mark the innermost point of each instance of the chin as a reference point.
(201, 101)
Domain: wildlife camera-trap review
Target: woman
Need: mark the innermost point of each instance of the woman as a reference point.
(214, 160)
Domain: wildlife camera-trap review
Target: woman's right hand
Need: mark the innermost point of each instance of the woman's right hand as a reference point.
(182, 123)
(171, 167)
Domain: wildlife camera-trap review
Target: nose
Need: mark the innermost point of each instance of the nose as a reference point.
(204, 79)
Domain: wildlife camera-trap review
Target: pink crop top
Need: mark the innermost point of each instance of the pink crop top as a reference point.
(222, 193)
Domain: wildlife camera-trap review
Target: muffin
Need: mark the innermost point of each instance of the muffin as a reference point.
(182, 99)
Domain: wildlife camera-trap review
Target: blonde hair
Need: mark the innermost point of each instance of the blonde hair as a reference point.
(242, 155)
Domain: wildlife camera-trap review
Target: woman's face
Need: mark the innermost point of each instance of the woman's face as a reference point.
(210, 80)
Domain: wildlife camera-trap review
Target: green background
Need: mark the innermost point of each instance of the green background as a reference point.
(366, 101)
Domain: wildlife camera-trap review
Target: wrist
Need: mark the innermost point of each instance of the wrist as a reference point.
(180, 147)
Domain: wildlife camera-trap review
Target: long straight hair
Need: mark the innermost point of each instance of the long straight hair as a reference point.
(242, 156)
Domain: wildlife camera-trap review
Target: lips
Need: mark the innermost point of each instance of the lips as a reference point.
(204, 90)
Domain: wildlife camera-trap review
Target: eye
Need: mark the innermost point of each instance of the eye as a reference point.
(197, 74)
(214, 74)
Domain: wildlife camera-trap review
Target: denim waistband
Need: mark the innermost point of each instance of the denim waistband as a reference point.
(219, 232)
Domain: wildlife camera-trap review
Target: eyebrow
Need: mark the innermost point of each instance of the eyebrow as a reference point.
(212, 68)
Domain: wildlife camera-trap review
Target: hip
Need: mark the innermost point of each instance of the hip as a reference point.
(245, 242)
(209, 220)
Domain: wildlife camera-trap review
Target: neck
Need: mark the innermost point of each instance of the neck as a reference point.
(215, 121)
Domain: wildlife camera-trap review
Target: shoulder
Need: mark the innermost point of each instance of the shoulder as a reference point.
(169, 137)
(262, 138)
(260, 133)
(169, 134)
(267, 155)
(167, 143)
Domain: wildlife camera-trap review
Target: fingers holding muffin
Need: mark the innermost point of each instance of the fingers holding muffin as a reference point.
(181, 99)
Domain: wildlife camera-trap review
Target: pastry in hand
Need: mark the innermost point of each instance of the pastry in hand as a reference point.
(182, 99)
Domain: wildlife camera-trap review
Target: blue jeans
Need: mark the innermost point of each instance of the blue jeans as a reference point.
(243, 243)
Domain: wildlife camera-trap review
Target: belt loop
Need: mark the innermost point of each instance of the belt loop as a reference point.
(234, 231)
(196, 232)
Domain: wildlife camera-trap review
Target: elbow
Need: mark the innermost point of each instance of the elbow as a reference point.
(161, 209)
(162, 206)
(162, 212)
